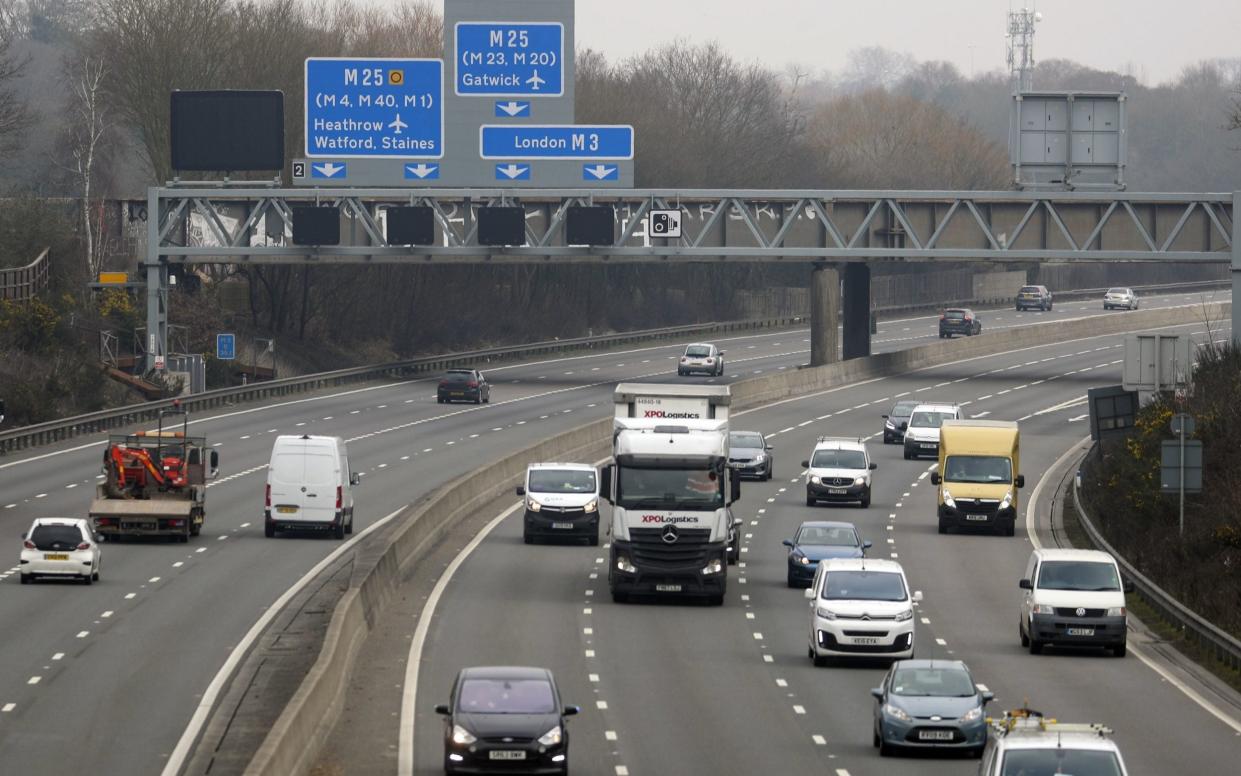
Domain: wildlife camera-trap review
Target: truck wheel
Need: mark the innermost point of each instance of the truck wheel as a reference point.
(1025, 640)
(196, 529)
(338, 530)
(908, 455)
(1120, 649)
(349, 525)
(866, 499)
(183, 538)
(810, 501)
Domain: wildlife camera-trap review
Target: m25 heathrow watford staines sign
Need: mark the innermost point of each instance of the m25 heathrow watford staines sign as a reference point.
(377, 108)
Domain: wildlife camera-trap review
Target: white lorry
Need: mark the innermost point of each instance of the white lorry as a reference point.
(670, 487)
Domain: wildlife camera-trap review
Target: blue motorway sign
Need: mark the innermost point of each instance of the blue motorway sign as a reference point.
(501, 59)
(379, 108)
(226, 347)
(556, 141)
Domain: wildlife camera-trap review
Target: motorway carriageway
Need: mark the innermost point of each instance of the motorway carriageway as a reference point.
(103, 679)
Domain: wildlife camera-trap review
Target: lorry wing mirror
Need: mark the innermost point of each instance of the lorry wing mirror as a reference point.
(805, 464)
(355, 478)
(605, 482)
(521, 490)
(873, 466)
(1021, 480)
(935, 478)
(1025, 585)
(735, 489)
(214, 459)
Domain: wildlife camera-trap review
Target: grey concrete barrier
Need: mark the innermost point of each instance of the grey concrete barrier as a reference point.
(295, 740)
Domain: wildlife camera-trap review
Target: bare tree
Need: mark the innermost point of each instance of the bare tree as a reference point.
(14, 115)
(90, 123)
(876, 66)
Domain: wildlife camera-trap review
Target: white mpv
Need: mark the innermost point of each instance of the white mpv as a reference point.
(860, 608)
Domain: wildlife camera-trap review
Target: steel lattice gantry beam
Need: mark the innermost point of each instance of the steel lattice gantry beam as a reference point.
(213, 223)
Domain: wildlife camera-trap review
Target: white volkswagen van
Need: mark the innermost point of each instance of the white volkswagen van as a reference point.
(309, 486)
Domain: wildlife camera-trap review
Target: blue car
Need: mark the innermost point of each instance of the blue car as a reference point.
(930, 704)
(818, 540)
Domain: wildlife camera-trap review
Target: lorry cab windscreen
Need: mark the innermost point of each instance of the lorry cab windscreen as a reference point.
(981, 469)
(671, 488)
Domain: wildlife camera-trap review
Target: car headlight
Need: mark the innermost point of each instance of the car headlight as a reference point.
(1007, 501)
(714, 566)
(1116, 611)
(710, 360)
(1042, 609)
(826, 614)
(532, 505)
(760, 457)
(896, 712)
(593, 506)
(551, 737)
(815, 479)
(888, 425)
(971, 715)
(803, 560)
(908, 614)
(948, 502)
(859, 481)
(462, 736)
(623, 564)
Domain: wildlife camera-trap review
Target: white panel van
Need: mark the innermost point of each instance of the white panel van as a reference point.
(309, 486)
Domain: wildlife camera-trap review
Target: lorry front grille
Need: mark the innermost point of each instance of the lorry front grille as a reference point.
(649, 548)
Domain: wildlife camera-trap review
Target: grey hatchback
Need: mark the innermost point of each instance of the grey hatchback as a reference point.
(930, 704)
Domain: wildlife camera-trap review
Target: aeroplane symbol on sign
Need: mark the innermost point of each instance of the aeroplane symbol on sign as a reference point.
(397, 125)
(535, 82)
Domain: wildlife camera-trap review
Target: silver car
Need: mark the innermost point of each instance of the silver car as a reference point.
(1120, 297)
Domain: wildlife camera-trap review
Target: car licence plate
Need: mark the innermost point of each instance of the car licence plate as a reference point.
(837, 491)
(286, 510)
(562, 525)
(55, 556)
(667, 588)
(934, 735)
(865, 640)
(976, 517)
(507, 754)
(1081, 631)
(926, 446)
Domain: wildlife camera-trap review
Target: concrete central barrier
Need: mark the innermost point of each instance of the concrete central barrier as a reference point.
(295, 740)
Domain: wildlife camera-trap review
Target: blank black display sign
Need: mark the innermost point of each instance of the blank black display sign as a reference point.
(411, 225)
(316, 225)
(594, 225)
(228, 130)
(501, 225)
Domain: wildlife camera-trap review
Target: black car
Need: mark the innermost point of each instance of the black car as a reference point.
(1031, 297)
(463, 385)
(959, 320)
(896, 421)
(749, 454)
(505, 719)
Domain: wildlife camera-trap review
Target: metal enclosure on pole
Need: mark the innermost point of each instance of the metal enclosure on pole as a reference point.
(855, 301)
(824, 310)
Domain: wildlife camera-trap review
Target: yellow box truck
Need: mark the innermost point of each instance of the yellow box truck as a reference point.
(978, 479)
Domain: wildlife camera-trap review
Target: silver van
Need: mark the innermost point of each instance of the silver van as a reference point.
(309, 486)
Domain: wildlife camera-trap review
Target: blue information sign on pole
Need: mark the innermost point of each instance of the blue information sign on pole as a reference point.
(503, 59)
(378, 108)
(558, 141)
(226, 347)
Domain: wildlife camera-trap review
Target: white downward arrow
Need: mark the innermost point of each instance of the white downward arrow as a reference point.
(512, 108)
(600, 171)
(512, 170)
(421, 170)
(329, 169)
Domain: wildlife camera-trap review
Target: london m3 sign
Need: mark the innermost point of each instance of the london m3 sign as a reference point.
(374, 108)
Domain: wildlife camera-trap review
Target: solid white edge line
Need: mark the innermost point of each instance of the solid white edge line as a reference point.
(1149, 662)
(409, 690)
(203, 711)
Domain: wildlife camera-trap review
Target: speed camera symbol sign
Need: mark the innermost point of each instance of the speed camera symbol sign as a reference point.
(664, 223)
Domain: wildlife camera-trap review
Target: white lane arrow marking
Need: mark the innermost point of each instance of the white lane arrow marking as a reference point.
(511, 108)
(421, 170)
(512, 170)
(600, 171)
(1079, 417)
(328, 169)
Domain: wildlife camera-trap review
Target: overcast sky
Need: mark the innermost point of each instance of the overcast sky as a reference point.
(1155, 37)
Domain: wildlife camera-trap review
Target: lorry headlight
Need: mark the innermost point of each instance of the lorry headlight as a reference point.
(623, 564)
(815, 480)
(462, 736)
(714, 566)
(860, 481)
(532, 505)
(593, 506)
(948, 502)
(1008, 500)
(551, 737)
(826, 614)
(1116, 611)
